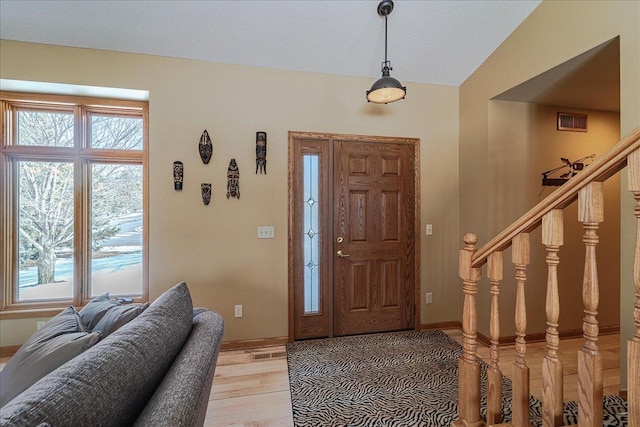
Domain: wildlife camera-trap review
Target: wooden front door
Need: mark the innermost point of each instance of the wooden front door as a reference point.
(373, 278)
(353, 262)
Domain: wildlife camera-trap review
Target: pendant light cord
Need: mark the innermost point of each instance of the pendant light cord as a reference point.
(385, 38)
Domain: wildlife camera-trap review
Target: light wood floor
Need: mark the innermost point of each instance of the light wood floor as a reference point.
(251, 393)
(609, 346)
(251, 387)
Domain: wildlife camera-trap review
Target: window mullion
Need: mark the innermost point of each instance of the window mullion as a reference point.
(81, 209)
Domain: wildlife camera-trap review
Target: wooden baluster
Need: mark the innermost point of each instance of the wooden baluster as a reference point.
(633, 345)
(552, 381)
(494, 375)
(520, 401)
(590, 213)
(468, 366)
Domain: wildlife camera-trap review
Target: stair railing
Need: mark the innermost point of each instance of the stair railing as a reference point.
(587, 188)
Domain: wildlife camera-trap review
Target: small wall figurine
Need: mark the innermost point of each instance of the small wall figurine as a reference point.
(205, 188)
(233, 180)
(178, 171)
(261, 152)
(205, 147)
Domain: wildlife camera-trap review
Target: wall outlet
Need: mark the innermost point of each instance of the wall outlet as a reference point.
(238, 310)
(266, 232)
(40, 324)
(429, 297)
(429, 229)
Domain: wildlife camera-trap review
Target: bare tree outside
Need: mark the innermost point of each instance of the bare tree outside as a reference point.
(46, 214)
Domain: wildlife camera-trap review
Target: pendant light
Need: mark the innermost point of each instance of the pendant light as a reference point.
(386, 89)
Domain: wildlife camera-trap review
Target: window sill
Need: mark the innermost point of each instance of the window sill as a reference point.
(30, 313)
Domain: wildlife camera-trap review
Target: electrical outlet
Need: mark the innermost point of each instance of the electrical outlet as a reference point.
(238, 310)
(266, 232)
(429, 298)
(429, 229)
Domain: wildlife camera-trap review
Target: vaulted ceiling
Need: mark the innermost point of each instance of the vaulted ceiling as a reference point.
(436, 42)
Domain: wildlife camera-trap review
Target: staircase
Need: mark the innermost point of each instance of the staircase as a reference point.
(587, 189)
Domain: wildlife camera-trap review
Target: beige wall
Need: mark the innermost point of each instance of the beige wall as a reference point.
(215, 248)
(555, 32)
(523, 143)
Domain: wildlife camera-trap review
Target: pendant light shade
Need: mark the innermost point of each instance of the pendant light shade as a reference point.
(386, 89)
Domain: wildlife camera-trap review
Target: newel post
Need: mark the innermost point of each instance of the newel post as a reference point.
(468, 366)
(590, 214)
(633, 346)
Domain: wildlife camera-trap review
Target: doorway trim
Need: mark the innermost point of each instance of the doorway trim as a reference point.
(293, 135)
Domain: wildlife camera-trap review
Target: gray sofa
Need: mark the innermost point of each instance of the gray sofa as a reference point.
(156, 370)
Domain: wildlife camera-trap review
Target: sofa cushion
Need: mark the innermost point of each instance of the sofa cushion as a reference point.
(110, 384)
(60, 339)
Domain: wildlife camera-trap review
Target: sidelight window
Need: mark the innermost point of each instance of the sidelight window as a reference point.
(311, 234)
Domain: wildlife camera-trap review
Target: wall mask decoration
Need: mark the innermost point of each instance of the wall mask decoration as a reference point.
(573, 169)
(233, 180)
(205, 147)
(178, 172)
(205, 188)
(261, 152)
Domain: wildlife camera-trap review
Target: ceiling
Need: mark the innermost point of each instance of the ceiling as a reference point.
(435, 42)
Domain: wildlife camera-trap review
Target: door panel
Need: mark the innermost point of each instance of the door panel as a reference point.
(390, 216)
(391, 284)
(360, 292)
(359, 202)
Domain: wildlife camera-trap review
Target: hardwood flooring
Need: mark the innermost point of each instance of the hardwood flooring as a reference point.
(251, 387)
(256, 393)
(609, 346)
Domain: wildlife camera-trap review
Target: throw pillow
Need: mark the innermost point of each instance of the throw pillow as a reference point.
(118, 316)
(106, 316)
(60, 339)
(97, 307)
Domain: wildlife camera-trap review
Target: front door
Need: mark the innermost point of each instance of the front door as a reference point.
(373, 272)
(352, 240)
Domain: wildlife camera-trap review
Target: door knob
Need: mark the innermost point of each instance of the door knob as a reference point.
(341, 255)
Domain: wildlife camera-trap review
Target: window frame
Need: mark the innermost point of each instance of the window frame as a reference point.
(82, 155)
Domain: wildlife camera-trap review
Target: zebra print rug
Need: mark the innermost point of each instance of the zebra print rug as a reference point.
(393, 379)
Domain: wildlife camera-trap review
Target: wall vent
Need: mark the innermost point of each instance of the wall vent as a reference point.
(572, 122)
(270, 355)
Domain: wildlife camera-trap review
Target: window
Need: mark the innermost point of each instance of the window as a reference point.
(311, 233)
(73, 195)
